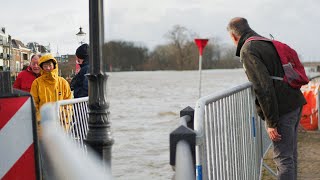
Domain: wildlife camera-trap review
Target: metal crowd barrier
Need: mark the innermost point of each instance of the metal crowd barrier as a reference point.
(230, 143)
(230, 138)
(61, 158)
(73, 116)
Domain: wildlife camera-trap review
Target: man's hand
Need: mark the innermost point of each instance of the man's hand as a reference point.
(273, 134)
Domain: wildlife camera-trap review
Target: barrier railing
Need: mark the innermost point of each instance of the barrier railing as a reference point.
(73, 116)
(61, 157)
(229, 136)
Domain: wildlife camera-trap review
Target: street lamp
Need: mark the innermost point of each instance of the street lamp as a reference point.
(99, 136)
(81, 36)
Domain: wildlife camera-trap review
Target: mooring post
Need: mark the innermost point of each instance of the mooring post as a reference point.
(99, 136)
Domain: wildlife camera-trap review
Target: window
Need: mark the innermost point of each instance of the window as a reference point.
(25, 56)
(18, 66)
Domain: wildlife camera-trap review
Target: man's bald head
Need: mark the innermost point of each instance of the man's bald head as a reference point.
(238, 26)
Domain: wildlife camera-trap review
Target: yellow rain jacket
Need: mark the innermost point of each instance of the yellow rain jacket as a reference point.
(49, 87)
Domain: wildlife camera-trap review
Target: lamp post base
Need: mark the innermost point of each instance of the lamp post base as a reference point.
(99, 136)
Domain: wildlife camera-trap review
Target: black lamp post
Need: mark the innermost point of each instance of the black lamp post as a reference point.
(81, 36)
(99, 135)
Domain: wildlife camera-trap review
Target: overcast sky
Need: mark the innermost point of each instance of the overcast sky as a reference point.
(295, 22)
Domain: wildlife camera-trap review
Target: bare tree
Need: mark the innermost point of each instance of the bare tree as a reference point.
(228, 59)
(179, 37)
(125, 55)
(162, 58)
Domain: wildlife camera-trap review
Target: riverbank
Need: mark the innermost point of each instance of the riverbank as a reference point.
(308, 157)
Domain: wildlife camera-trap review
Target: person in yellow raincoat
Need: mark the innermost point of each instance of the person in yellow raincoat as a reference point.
(49, 87)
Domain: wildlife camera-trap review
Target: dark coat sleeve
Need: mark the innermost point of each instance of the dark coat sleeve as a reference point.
(258, 74)
(80, 83)
(84, 92)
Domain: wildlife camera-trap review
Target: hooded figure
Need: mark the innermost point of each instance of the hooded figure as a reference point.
(49, 87)
(79, 83)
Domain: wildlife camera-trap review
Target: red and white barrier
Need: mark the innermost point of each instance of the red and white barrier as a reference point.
(18, 139)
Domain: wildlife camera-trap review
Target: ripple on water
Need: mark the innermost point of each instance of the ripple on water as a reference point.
(167, 113)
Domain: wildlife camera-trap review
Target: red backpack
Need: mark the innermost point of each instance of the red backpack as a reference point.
(294, 73)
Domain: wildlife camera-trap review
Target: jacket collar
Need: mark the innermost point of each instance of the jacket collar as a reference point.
(50, 77)
(29, 69)
(85, 63)
(243, 39)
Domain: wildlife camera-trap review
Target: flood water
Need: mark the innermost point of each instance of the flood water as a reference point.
(145, 108)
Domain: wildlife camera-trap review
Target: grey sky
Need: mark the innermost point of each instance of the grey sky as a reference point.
(295, 22)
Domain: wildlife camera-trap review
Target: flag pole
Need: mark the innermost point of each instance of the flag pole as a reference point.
(201, 43)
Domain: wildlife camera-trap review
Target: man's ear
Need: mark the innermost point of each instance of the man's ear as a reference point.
(235, 38)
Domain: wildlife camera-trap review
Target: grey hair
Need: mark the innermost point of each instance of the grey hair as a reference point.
(238, 26)
(34, 56)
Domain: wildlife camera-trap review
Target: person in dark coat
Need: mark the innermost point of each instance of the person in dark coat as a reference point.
(79, 83)
(276, 101)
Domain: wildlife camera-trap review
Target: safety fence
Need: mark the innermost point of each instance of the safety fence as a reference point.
(230, 140)
(73, 117)
(61, 157)
(229, 135)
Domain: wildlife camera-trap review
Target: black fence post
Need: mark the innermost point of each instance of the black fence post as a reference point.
(188, 111)
(183, 133)
(5, 83)
(99, 136)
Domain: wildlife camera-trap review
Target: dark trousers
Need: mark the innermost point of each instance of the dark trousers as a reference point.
(285, 151)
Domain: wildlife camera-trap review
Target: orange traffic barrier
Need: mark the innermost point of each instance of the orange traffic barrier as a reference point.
(309, 115)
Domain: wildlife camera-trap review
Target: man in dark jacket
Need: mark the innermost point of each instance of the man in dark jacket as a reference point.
(79, 83)
(277, 103)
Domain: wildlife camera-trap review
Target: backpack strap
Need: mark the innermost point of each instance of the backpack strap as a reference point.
(259, 38)
(276, 78)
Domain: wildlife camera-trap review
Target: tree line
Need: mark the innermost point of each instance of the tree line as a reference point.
(180, 53)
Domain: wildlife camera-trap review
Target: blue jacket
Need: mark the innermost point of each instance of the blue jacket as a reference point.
(79, 83)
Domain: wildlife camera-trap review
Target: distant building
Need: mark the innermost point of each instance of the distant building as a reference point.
(14, 55)
(67, 65)
(4, 50)
(36, 48)
(20, 55)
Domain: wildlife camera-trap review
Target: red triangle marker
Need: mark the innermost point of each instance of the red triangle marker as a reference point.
(201, 43)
